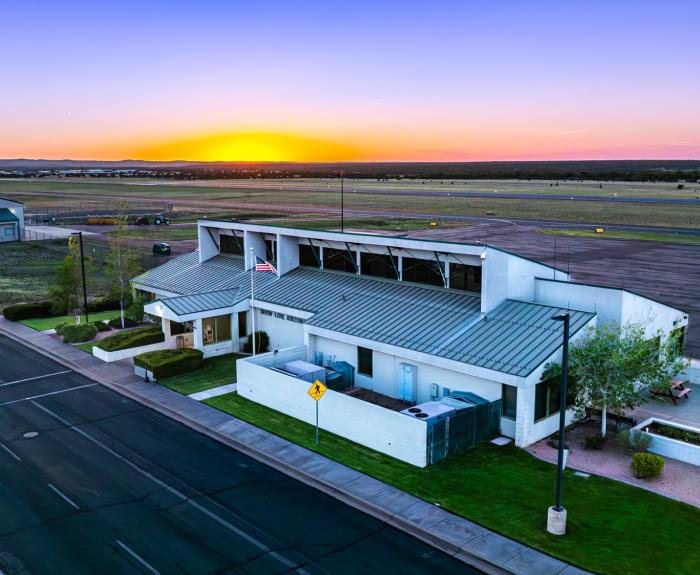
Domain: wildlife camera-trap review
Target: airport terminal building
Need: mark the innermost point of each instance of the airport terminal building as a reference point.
(417, 321)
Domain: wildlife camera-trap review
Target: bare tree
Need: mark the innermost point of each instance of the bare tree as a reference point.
(124, 259)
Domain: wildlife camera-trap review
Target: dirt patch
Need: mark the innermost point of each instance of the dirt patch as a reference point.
(377, 398)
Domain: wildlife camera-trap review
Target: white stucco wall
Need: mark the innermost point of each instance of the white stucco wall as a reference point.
(381, 429)
(283, 332)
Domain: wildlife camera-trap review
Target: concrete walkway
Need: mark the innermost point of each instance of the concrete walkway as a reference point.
(463, 539)
(213, 392)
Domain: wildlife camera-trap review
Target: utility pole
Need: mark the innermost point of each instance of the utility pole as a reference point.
(342, 202)
(82, 268)
(556, 517)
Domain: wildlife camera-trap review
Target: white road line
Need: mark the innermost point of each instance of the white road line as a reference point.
(12, 453)
(35, 378)
(138, 558)
(47, 394)
(62, 495)
(250, 538)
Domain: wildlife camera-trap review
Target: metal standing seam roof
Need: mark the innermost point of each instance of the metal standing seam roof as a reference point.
(514, 338)
(7, 216)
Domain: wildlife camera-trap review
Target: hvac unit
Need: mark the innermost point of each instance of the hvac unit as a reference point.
(408, 382)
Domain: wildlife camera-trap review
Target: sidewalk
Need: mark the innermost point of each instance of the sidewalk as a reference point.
(463, 539)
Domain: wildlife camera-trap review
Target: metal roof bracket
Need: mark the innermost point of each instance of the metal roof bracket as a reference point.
(391, 257)
(439, 267)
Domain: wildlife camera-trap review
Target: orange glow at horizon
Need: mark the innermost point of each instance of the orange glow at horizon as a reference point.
(250, 147)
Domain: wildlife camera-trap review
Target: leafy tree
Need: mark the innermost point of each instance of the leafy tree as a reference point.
(64, 291)
(123, 260)
(612, 364)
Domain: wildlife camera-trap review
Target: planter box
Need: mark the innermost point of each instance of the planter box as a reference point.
(673, 448)
(143, 372)
(110, 356)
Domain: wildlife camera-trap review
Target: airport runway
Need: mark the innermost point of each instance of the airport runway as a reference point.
(94, 483)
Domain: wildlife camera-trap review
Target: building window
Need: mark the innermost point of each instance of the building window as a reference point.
(510, 400)
(339, 260)
(465, 277)
(678, 338)
(364, 361)
(271, 250)
(309, 256)
(548, 396)
(230, 245)
(9, 232)
(422, 271)
(216, 329)
(242, 323)
(379, 265)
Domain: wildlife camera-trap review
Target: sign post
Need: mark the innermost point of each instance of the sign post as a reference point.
(316, 392)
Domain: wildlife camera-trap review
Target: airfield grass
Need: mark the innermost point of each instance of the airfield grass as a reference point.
(613, 528)
(278, 199)
(624, 235)
(159, 233)
(380, 224)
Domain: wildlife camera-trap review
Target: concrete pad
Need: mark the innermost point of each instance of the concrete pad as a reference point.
(214, 392)
(457, 530)
(501, 441)
(531, 562)
(494, 547)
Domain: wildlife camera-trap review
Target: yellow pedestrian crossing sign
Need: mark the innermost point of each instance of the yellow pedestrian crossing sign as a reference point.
(317, 390)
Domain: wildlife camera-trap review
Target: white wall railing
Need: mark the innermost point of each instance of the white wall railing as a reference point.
(110, 356)
(376, 427)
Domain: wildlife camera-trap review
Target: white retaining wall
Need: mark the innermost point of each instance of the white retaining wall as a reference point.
(111, 356)
(668, 447)
(381, 429)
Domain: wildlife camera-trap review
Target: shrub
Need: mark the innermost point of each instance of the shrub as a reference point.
(59, 326)
(107, 303)
(594, 442)
(27, 310)
(634, 441)
(169, 362)
(135, 311)
(262, 342)
(645, 465)
(78, 333)
(133, 338)
(116, 323)
(676, 433)
(102, 326)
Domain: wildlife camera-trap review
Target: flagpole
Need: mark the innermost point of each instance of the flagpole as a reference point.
(252, 294)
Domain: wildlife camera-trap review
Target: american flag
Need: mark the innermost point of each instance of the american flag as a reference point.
(263, 266)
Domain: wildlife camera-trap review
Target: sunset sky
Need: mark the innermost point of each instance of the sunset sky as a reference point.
(355, 81)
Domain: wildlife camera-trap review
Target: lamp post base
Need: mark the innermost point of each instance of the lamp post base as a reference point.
(556, 521)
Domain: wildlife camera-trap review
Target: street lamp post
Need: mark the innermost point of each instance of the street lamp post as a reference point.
(82, 268)
(556, 516)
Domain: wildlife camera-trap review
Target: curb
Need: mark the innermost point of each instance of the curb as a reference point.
(359, 503)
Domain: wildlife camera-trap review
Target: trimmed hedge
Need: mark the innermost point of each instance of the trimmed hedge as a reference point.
(116, 322)
(27, 310)
(78, 333)
(647, 465)
(262, 343)
(102, 326)
(133, 338)
(169, 362)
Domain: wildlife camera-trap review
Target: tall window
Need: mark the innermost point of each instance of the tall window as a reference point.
(309, 256)
(216, 329)
(379, 265)
(510, 400)
(465, 277)
(548, 396)
(364, 361)
(242, 323)
(230, 244)
(423, 271)
(271, 250)
(340, 260)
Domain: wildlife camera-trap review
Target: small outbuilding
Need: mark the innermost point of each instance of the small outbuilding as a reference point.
(11, 220)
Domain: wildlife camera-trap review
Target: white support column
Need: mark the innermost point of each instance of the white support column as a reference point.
(198, 335)
(287, 253)
(256, 241)
(235, 336)
(524, 415)
(165, 327)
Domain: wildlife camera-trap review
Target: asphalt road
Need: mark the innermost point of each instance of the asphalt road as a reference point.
(92, 482)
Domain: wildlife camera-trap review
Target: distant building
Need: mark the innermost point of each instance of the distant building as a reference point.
(11, 220)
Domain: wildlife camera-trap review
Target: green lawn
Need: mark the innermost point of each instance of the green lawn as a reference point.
(623, 235)
(86, 347)
(44, 323)
(613, 527)
(220, 370)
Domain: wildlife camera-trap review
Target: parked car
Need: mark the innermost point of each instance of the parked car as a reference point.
(161, 249)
